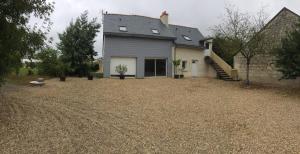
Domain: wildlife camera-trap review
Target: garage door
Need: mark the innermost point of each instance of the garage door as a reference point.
(129, 62)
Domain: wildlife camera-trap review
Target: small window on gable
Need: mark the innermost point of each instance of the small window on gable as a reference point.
(186, 38)
(123, 28)
(155, 31)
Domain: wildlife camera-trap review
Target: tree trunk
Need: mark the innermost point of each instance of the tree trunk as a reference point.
(247, 72)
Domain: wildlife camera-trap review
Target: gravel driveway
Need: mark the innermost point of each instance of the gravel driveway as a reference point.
(148, 116)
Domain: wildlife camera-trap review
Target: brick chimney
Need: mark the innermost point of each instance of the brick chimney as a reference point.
(164, 18)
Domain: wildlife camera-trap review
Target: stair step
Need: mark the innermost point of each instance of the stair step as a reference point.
(220, 72)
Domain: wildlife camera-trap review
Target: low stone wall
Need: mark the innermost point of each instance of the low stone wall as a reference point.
(262, 70)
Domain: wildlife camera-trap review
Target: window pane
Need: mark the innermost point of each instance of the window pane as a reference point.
(123, 28)
(155, 31)
(187, 38)
(149, 67)
(183, 64)
(161, 67)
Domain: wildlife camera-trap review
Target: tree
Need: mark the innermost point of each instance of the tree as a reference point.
(77, 43)
(225, 48)
(242, 33)
(17, 39)
(48, 62)
(288, 55)
(176, 63)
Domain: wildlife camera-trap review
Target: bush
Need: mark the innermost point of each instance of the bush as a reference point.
(49, 62)
(97, 75)
(288, 56)
(95, 67)
(30, 72)
(30, 64)
(121, 69)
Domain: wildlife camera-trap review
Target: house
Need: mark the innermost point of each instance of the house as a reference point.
(147, 46)
(262, 67)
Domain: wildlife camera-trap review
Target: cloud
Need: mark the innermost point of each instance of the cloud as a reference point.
(196, 13)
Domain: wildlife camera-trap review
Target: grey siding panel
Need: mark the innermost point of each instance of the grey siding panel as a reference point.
(140, 48)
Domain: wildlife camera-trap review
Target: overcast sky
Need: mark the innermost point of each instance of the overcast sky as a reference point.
(201, 14)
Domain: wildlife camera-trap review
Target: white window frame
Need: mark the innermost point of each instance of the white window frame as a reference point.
(155, 31)
(187, 38)
(123, 28)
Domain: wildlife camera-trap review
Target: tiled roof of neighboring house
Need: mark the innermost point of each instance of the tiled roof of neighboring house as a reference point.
(181, 32)
(136, 26)
(141, 26)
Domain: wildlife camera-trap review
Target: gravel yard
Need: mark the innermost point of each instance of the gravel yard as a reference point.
(148, 116)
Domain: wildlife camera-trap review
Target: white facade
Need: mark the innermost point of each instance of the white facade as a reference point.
(193, 63)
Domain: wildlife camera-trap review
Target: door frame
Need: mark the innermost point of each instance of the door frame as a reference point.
(195, 62)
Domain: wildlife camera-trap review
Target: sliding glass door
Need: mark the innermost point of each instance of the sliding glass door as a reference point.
(155, 67)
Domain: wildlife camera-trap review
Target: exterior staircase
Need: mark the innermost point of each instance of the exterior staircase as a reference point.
(224, 71)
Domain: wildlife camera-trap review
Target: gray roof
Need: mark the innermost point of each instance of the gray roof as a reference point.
(136, 26)
(141, 26)
(192, 33)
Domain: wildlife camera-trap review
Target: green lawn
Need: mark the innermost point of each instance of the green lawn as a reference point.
(23, 78)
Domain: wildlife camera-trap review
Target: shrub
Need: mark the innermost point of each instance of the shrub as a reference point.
(121, 69)
(95, 67)
(48, 64)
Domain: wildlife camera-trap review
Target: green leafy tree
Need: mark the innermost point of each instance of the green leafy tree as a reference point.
(77, 43)
(17, 39)
(288, 55)
(48, 62)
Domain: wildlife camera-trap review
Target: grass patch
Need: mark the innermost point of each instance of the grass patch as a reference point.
(23, 78)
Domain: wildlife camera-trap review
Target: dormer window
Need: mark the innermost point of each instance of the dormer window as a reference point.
(186, 38)
(123, 29)
(155, 31)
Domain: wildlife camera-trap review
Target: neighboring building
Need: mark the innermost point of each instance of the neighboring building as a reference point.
(149, 45)
(262, 68)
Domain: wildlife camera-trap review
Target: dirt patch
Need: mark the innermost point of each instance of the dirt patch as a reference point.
(148, 116)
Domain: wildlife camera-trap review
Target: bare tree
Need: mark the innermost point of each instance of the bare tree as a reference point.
(245, 30)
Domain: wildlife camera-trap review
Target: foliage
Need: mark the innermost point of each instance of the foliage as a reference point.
(95, 67)
(51, 64)
(225, 48)
(176, 63)
(121, 69)
(17, 39)
(62, 68)
(241, 33)
(77, 44)
(48, 62)
(288, 56)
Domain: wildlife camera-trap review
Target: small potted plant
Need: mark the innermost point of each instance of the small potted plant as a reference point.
(90, 76)
(176, 63)
(92, 68)
(62, 68)
(121, 69)
(89, 72)
(62, 77)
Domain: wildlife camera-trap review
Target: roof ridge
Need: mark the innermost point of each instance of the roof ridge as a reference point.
(147, 17)
(183, 26)
(285, 8)
(131, 15)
